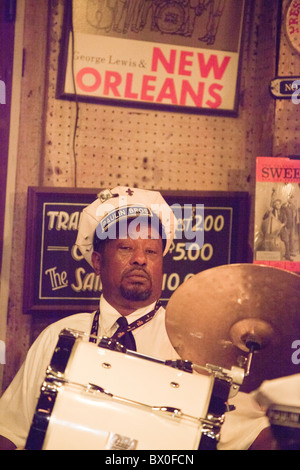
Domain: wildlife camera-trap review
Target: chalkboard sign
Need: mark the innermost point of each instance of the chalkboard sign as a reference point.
(58, 280)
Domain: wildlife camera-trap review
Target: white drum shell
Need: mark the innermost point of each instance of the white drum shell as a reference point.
(84, 420)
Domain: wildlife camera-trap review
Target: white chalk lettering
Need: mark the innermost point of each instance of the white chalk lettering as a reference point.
(58, 280)
(61, 220)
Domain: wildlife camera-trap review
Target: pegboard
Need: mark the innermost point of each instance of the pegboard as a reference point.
(286, 136)
(154, 149)
(148, 149)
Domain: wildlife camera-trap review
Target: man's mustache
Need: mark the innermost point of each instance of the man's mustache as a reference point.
(136, 271)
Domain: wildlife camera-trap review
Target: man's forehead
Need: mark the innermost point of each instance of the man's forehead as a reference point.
(142, 240)
(137, 229)
(138, 232)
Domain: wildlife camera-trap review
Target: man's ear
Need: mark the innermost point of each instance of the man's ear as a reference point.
(96, 260)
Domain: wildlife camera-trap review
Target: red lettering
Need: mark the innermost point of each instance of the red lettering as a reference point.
(294, 12)
(186, 90)
(146, 87)
(168, 92)
(212, 64)
(293, 21)
(91, 72)
(116, 85)
(168, 64)
(184, 63)
(128, 87)
(217, 98)
(111, 83)
(293, 30)
(276, 172)
(288, 173)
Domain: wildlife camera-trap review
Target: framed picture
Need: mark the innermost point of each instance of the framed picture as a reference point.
(178, 55)
(277, 213)
(57, 279)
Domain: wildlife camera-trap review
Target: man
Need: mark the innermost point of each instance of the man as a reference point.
(123, 235)
(215, 9)
(290, 211)
(277, 221)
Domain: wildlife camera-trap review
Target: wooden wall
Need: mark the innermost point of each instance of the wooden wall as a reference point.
(286, 139)
(149, 149)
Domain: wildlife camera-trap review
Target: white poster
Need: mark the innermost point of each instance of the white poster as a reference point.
(182, 54)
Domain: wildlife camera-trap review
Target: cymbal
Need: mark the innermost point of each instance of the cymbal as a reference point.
(214, 316)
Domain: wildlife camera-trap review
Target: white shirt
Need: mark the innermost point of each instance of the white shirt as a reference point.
(17, 405)
(151, 338)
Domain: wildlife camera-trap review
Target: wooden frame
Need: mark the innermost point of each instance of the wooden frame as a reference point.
(157, 54)
(7, 31)
(57, 281)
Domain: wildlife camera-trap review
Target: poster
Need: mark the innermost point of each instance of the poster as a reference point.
(277, 213)
(179, 54)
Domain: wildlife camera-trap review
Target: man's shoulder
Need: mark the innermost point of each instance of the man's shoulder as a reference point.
(79, 322)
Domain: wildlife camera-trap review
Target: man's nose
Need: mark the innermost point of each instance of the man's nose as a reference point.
(139, 257)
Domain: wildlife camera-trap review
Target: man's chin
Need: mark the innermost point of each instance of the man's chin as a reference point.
(135, 293)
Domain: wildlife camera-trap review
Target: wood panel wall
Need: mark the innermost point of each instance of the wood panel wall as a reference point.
(148, 149)
(287, 114)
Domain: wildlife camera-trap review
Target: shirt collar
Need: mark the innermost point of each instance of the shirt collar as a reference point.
(109, 315)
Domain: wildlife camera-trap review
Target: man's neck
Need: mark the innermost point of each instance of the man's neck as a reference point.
(126, 307)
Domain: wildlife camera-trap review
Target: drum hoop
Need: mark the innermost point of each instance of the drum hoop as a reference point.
(63, 350)
(215, 416)
(41, 418)
(48, 395)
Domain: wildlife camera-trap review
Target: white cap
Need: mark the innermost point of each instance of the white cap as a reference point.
(119, 204)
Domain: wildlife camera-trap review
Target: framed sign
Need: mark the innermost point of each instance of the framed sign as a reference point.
(178, 55)
(292, 23)
(58, 279)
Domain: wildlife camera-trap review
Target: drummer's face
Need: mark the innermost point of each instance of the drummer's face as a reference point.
(131, 269)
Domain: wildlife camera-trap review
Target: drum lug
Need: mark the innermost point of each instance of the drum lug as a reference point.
(214, 420)
(51, 385)
(53, 374)
(211, 426)
(111, 344)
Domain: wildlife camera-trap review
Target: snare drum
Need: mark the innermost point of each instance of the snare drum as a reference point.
(94, 397)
